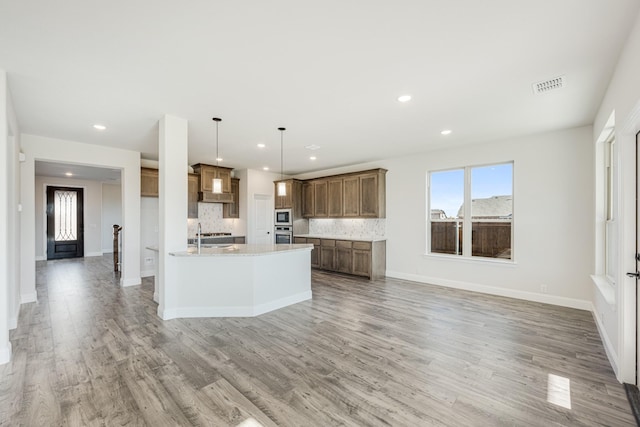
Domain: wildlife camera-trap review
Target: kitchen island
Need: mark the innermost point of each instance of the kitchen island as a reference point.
(238, 280)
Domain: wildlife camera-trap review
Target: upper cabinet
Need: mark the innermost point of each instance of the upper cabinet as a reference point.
(194, 186)
(353, 195)
(149, 182)
(232, 210)
(292, 200)
(207, 173)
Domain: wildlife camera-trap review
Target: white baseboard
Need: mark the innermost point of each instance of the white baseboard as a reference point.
(612, 354)
(27, 298)
(107, 251)
(41, 258)
(13, 323)
(89, 254)
(155, 297)
(5, 353)
(237, 311)
(494, 290)
(147, 273)
(130, 282)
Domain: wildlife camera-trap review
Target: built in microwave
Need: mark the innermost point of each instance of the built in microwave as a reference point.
(283, 217)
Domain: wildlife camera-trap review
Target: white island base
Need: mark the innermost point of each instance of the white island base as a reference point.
(238, 281)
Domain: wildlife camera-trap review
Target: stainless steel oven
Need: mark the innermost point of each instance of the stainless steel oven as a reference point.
(283, 217)
(284, 234)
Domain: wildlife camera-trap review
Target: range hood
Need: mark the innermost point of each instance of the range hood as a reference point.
(208, 197)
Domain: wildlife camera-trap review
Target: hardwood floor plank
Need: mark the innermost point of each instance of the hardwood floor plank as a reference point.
(375, 353)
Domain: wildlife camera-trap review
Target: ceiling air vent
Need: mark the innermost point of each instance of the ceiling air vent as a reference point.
(549, 85)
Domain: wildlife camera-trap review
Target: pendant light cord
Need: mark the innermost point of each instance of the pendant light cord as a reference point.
(281, 153)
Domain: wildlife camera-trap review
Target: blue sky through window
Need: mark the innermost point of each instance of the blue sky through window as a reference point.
(447, 187)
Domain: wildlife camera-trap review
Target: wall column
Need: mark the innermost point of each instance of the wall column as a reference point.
(5, 309)
(173, 188)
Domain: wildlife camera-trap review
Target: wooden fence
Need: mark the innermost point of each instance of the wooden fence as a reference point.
(491, 239)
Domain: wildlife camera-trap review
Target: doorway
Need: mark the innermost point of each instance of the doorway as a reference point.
(65, 222)
(262, 219)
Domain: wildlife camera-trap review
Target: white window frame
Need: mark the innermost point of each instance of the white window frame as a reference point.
(611, 186)
(468, 220)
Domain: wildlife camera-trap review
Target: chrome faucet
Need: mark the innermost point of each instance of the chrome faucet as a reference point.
(199, 234)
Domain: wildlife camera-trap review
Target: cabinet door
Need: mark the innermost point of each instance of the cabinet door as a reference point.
(351, 196)
(320, 198)
(299, 240)
(361, 262)
(192, 204)
(149, 182)
(208, 173)
(328, 257)
(344, 259)
(334, 198)
(232, 210)
(315, 252)
(308, 196)
(284, 202)
(369, 196)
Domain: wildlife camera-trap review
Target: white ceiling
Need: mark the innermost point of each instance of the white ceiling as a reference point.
(330, 71)
(82, 172)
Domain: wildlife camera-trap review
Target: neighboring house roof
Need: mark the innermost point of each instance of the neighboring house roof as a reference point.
(492, 207)
(438, 214)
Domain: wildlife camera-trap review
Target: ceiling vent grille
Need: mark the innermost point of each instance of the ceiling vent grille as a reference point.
(549, 85)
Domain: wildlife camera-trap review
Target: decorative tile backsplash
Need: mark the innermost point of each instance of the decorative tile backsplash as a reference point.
(210, 216)
(348, 227)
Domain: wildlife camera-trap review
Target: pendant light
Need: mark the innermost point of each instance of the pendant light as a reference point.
(282, 186)
(217, 182)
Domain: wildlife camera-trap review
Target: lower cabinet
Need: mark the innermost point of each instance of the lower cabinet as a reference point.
(367, 259)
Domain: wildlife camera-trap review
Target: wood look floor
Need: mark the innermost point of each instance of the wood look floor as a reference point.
(379, 353)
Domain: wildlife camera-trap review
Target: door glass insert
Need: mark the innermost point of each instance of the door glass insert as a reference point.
(66, 218)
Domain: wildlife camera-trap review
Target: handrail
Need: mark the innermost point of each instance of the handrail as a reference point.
(116, 246)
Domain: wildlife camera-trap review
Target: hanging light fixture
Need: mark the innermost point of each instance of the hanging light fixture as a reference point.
(217, 182)
(282, 186)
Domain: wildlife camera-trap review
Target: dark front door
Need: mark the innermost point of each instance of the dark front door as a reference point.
(65, 226)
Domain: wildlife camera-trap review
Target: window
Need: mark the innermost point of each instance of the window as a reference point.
(471, 211)
(610, 194)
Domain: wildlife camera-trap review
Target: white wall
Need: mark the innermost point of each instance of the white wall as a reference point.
(111, 213)
(92, 213)
(254, 182)
(9, 219)
(617, 321)
(57, 150)
(553, 236)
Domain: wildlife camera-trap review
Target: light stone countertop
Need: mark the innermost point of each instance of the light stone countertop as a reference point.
(343, 237)
(240, 250)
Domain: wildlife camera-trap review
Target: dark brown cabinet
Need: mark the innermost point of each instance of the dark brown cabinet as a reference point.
(320, 199)
(286, 201)
(308, 195)
(192, 204)
(232, 210)
(351, 196)
(371, 195)
(149, 186)
(207, 173)
(327, 254)
(344, 256)
(334, 198)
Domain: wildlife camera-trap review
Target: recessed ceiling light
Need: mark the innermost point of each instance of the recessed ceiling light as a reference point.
(218, 159)
(68, 174)
(266, 168)
(312, 147)
(312, 158)
(261, 145)
(446, 132)
(99, 127)
(404, 98)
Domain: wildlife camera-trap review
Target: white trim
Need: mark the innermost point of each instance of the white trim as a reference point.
(609, 349)
(93, 254)
(134, 281)
(471, 259)
(237, 311)
(41, 258)
(148, 273)
(5, 353)
(494, 290)
(107, 251)
(27, 298)
(155, 298)
(13, 323)
(606, 288)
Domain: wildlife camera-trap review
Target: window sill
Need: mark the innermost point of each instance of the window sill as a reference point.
(472, 260)
(606, 288)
